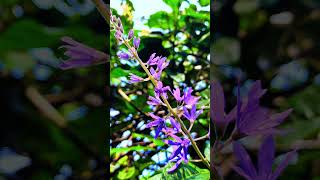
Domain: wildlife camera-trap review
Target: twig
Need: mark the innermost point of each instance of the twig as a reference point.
(125, 97)
(103, 9)
(57, 119)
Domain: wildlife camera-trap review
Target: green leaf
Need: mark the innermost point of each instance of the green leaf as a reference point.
(127, 173)
(157, 142)
(157, 177)
(193, 12)
(179, 77)
(25, 34)
(20, 60)
(202, 175)
(161, 20)
(185, 171)
(227, 51)
(119, 72)
(123, 161)
(174, 4)
(204, 2)
(127, 149)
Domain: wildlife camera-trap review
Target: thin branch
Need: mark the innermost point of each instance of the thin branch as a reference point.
(126, 98)
(103, 9)
(57, 119)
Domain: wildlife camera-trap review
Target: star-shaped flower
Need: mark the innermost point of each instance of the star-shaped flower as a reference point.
(189, 99)
(180, 151)
(254, 119)
(161, 90)
(193, 114)
(158, 121)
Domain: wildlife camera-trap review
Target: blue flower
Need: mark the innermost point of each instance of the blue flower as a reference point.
(180, 151)
(158, 121)
(193, 114)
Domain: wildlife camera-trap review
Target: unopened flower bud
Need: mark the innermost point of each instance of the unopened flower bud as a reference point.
(130, 34)
(136, 42)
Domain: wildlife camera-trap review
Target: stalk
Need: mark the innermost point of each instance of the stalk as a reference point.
(103, 9)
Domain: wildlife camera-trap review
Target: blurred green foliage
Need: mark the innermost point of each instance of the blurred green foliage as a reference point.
(29, 39)
(275, 42)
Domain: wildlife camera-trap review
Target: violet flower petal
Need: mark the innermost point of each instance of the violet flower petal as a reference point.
(217, 104)
(241, 172)
(290, 155)
(80, 55)
(266, 157)
(175, 166)
(244, 160)
(136, 42)
(176, 152)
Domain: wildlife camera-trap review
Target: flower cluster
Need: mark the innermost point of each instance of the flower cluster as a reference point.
(251, 119)
(170, 125)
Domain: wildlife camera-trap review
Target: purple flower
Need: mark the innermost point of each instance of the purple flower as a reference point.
(177, 163)
(123, 55)
(254, 119)
(180, 151)
(174, 124)
(113, 19)
(154, 101)
(81, 55)
(171, 131)
(153, 60)
(265, 161)
(155, 74)
(193, 114)
(135, 79)
(160, 122)
(218, 106)
(162, 64)
(176, 94)
(160, 90)
(130, 34)
(136, 42)
(188, 99)
(118, 35)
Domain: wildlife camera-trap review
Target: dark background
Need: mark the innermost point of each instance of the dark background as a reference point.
(68, 141)
(276, 42)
